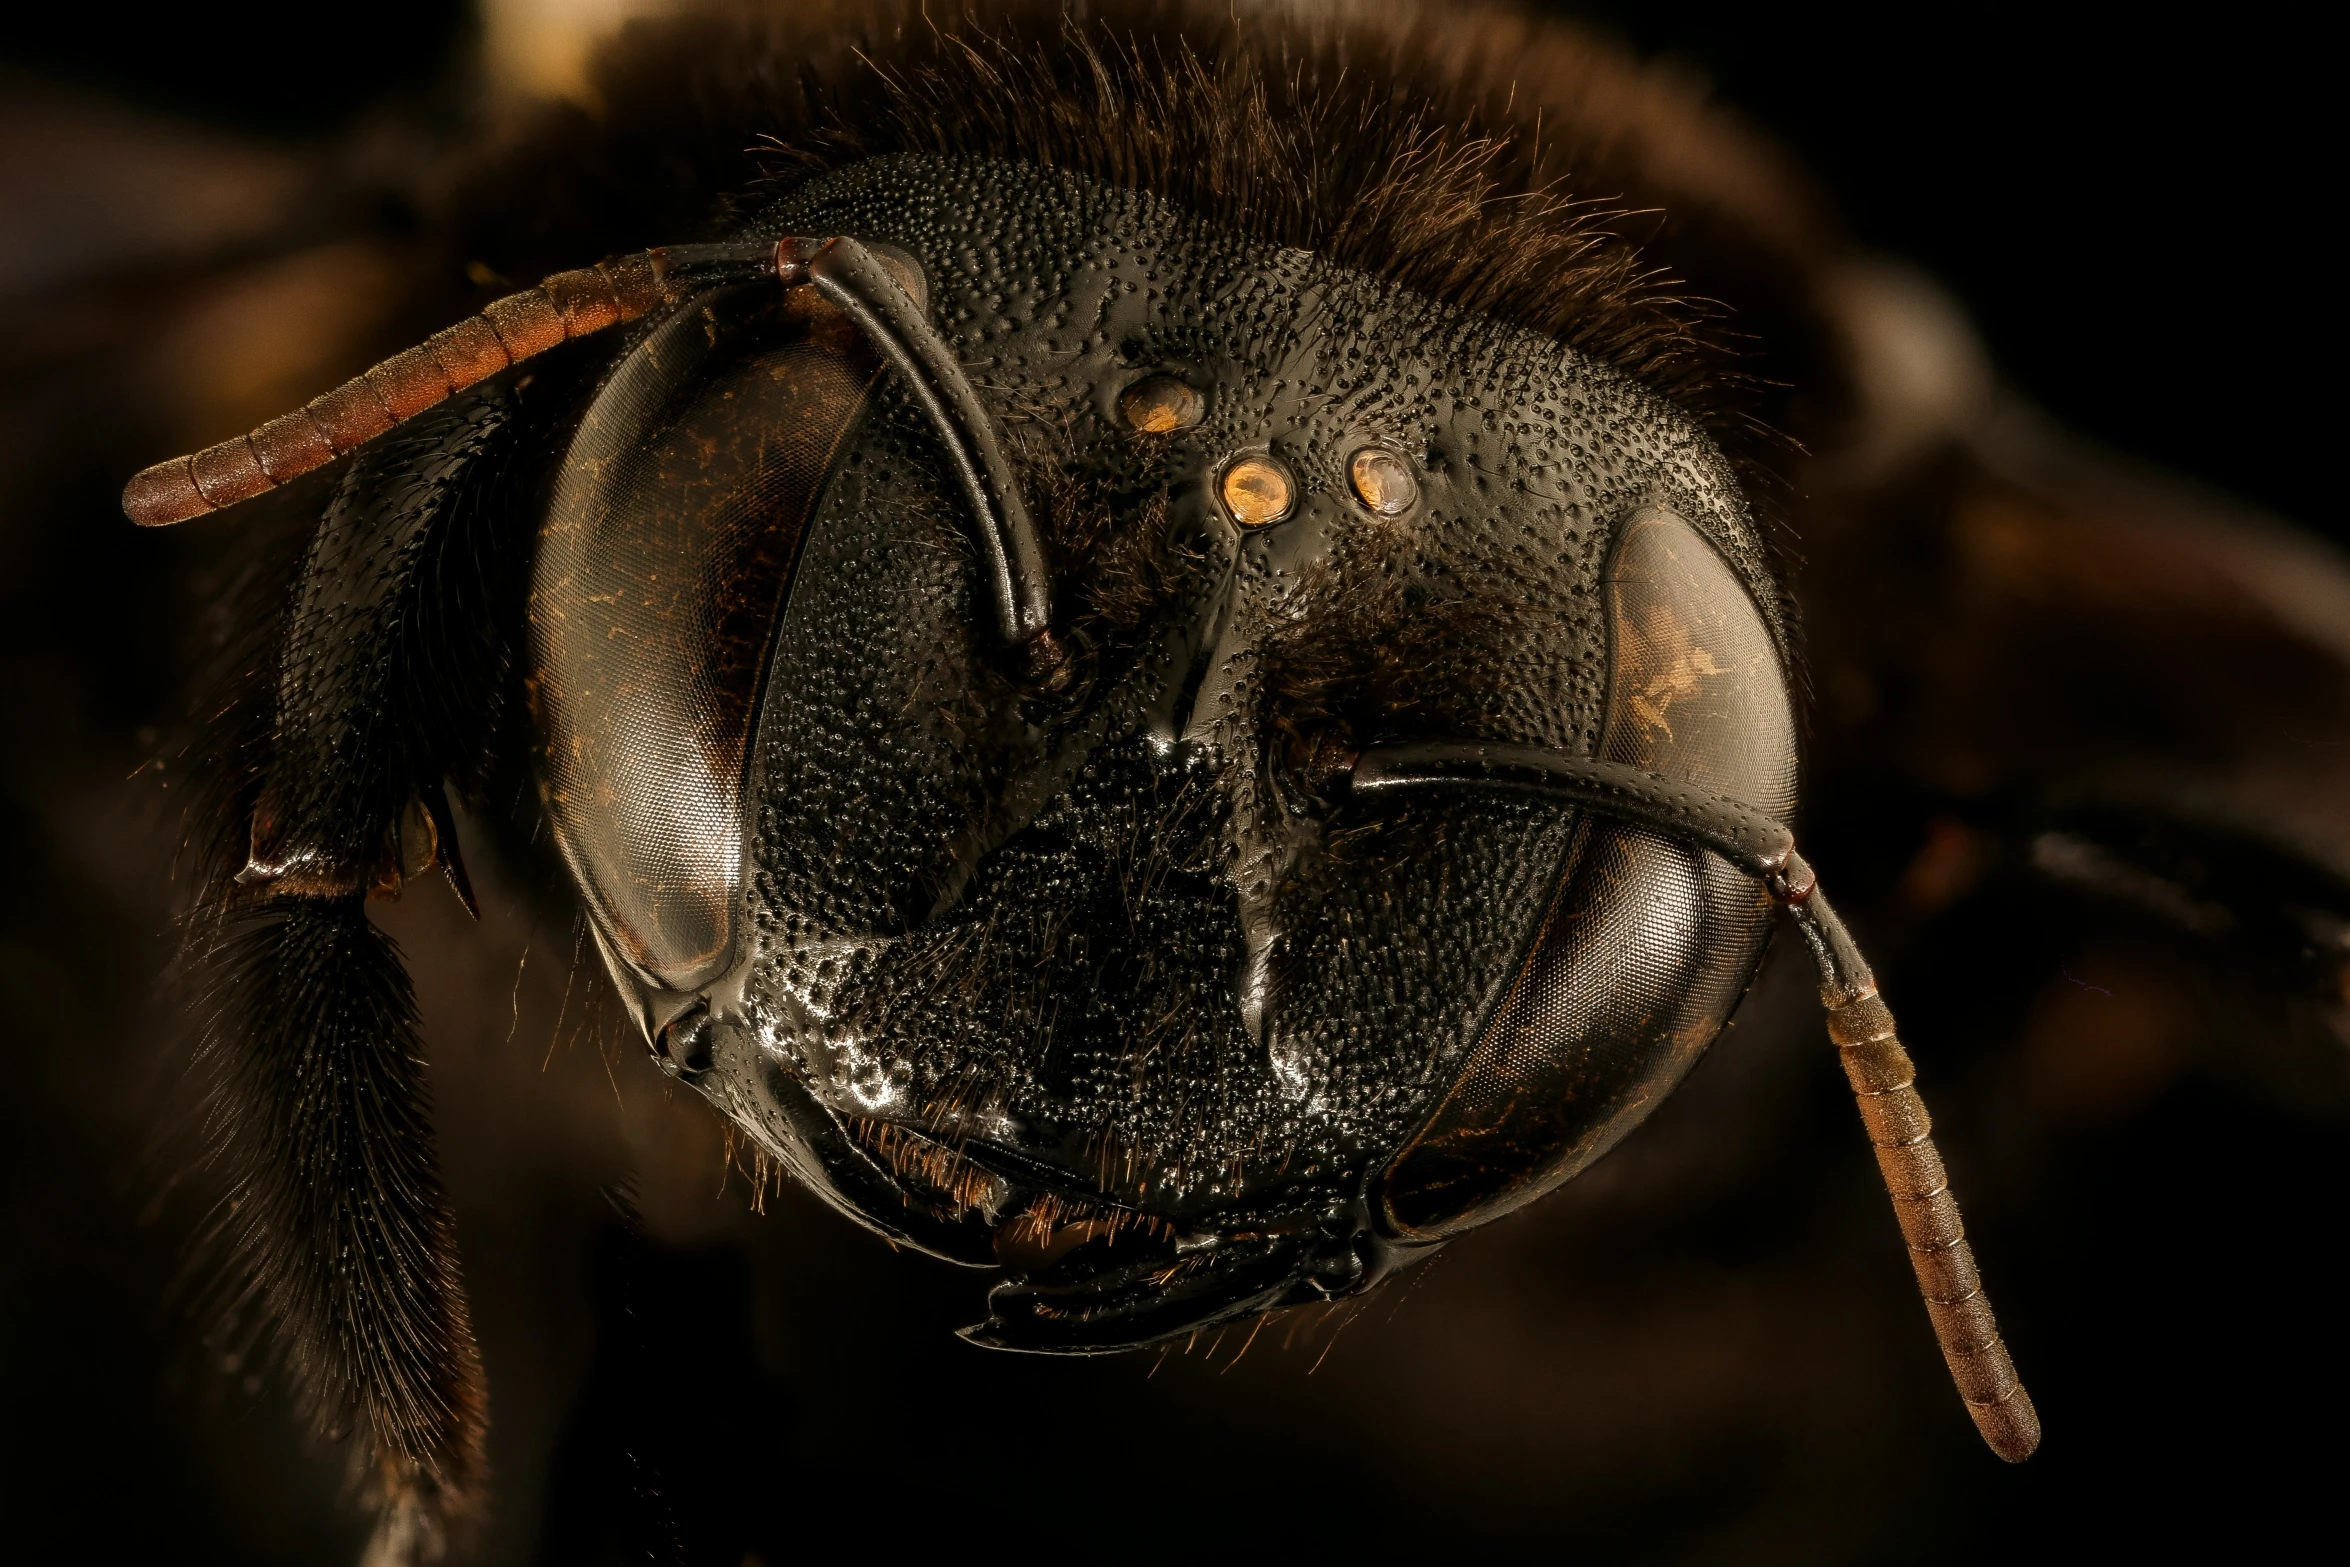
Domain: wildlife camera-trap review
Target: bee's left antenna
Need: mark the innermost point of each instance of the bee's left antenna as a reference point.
(1884, 1082)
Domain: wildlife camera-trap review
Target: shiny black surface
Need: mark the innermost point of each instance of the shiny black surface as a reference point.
(1650, 939)
(1001, 967)
(676, 516)
(1584, 1381)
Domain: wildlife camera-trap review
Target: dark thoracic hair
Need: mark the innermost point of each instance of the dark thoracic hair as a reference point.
(1523, 169)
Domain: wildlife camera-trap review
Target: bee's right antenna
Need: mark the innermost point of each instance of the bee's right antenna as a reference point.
(1883, 1080)
(589, 300)
(565, 306)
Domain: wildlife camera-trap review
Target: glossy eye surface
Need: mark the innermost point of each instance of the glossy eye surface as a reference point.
(1697, 692)
(1383, 482)
(1160, 404)
(663, 564)
(1258, 492)
(1649, 941)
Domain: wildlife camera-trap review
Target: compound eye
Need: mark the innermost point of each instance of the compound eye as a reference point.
(1383, 482)
(1649, 941)
(1258, 492)
(1160, 405)
(664, 561)
(1697, 692)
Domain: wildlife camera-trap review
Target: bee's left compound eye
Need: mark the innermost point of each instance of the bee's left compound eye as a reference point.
(1649, 940)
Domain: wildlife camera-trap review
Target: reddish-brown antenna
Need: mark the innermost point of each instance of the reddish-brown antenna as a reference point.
(564, 306)
(1884, 1082)
(875, 288)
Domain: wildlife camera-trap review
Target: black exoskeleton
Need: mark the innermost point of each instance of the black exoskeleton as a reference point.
(1158, 673)
(388, 670)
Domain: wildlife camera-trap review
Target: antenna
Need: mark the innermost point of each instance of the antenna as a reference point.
(1883, 1077)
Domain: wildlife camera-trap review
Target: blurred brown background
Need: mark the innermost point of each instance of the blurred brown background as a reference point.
(1708, 1350)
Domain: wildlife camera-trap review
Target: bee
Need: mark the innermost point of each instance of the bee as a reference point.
(1160, 652)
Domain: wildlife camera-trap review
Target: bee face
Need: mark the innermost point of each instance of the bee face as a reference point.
(1009, 973)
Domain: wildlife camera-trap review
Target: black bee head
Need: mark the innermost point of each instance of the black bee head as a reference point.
(1096, 969)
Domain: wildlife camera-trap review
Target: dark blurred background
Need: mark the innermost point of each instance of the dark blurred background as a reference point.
(1706, 1351)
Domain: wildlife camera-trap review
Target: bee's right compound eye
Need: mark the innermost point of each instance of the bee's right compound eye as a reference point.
(663, 565)
(1649, 940)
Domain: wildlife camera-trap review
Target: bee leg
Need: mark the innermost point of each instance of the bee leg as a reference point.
(335, 1245)
(385, 676)
(334, 1216)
